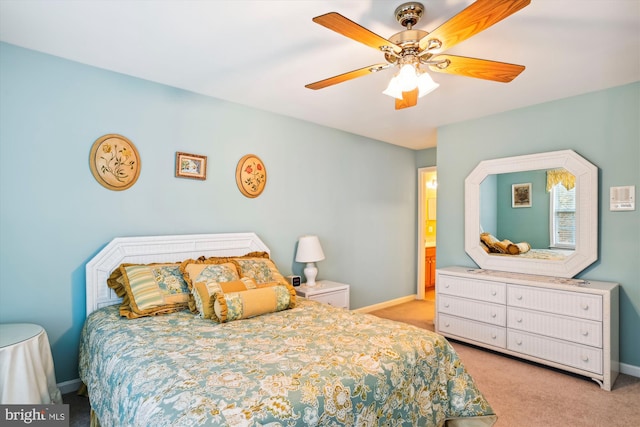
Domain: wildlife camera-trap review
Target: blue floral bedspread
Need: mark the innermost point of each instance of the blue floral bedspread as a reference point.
(313, 365)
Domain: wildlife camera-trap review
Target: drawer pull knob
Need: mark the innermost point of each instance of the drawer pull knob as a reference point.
(493, 315)
(446, 304)
(585, 306)
(493, 292)
(519, 320)
(494, 336)
(519, 297)
(446, 286)
(519, 341)
(446, 324)
(585, 358)
(585, 333)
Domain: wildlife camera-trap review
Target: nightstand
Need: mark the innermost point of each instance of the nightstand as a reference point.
(26, 366)
(328, 292)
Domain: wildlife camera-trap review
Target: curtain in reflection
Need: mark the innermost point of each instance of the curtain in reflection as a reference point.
(560, 176)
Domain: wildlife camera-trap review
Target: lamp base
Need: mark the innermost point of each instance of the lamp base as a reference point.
(310, 272)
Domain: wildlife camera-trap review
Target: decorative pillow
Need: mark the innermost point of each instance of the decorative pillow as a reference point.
(494, 245)
(262, 270)
(204, 274)
(203, 291)
(518, 248)
(257, 254)
(149, 289)
(251, 303)
(501, 247)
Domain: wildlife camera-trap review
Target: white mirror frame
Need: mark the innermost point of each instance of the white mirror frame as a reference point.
(586, 213)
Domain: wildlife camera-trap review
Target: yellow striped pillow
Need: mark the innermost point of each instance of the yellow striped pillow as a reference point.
(150, 289)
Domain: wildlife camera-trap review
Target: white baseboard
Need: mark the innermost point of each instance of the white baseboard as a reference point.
(385, 304)
(632, 370)
(69, 386)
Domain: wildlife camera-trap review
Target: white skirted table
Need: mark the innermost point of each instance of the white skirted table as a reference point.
(27, 373)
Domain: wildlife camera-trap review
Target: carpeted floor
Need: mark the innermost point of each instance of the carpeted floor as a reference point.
(525, 394)
(79, 410)
(522, 394)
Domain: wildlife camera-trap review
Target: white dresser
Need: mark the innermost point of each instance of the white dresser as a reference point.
(570, 324)
(327, 292)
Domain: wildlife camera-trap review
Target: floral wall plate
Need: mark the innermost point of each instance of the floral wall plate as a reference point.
(251, 175)
(114, 162)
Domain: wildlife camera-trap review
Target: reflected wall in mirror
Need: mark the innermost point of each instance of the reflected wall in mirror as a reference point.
(554, 234)
(546, 223)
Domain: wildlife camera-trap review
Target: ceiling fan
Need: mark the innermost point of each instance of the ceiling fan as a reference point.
(410, 48)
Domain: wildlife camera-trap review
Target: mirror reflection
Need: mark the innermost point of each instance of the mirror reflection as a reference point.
(529, 214)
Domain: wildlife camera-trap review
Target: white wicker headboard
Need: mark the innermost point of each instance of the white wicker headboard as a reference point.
(148, 249)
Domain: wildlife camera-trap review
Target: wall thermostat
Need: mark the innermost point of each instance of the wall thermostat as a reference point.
(294, 280)
(622, 198)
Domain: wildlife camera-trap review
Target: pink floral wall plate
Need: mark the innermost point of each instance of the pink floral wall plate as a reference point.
(251, 175)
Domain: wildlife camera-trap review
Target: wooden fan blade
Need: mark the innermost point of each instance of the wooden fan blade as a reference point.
(409, 99)
(477, 17)
(346, 76)
(338, 23)
(478, 68)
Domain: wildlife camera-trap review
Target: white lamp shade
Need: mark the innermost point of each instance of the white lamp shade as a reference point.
(309, 249)
(407, 79)
(426, 85)
(393, 89)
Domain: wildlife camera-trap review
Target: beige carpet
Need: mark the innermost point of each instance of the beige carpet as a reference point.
(525, 394)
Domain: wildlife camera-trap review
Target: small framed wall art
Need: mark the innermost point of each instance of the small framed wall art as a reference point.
(114, 162)
(521, 195)
(251, 176)
(191, 166)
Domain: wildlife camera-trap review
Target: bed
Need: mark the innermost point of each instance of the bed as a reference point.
(307, 365)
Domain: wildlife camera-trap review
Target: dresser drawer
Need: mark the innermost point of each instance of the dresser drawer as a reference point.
(585, 306)
(469, 288)
(565, 353)
(336, 299)
(580, 331)
(476, 331)
(474, 310)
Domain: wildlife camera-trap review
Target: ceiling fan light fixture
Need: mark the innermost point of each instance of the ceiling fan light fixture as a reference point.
(393, 88)
(407, 79)
(426, 85)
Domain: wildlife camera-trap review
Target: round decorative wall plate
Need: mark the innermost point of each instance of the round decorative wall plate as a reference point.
(114, 162)
(251, 175)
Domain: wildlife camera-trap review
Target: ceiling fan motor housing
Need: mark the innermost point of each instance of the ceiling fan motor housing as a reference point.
(408, 40)
(408, 14)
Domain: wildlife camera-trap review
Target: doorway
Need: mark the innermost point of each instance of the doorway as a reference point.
(427, 224)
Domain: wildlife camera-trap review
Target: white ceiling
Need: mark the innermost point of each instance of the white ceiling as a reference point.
(261, 54)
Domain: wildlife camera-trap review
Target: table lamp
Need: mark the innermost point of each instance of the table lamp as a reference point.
(309, 251)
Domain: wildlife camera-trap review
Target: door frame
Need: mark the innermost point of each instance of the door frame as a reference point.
(422, 209)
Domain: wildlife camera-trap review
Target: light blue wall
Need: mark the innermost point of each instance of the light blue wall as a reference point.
(530, 224)
(426, 158)
(604, 128)
(357, 194)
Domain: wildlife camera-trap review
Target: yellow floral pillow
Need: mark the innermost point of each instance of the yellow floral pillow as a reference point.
(495, 245)
(518, 248)
(250, 303)
(205, 290)
(149, 289)
(203, 277)
(262, 270)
